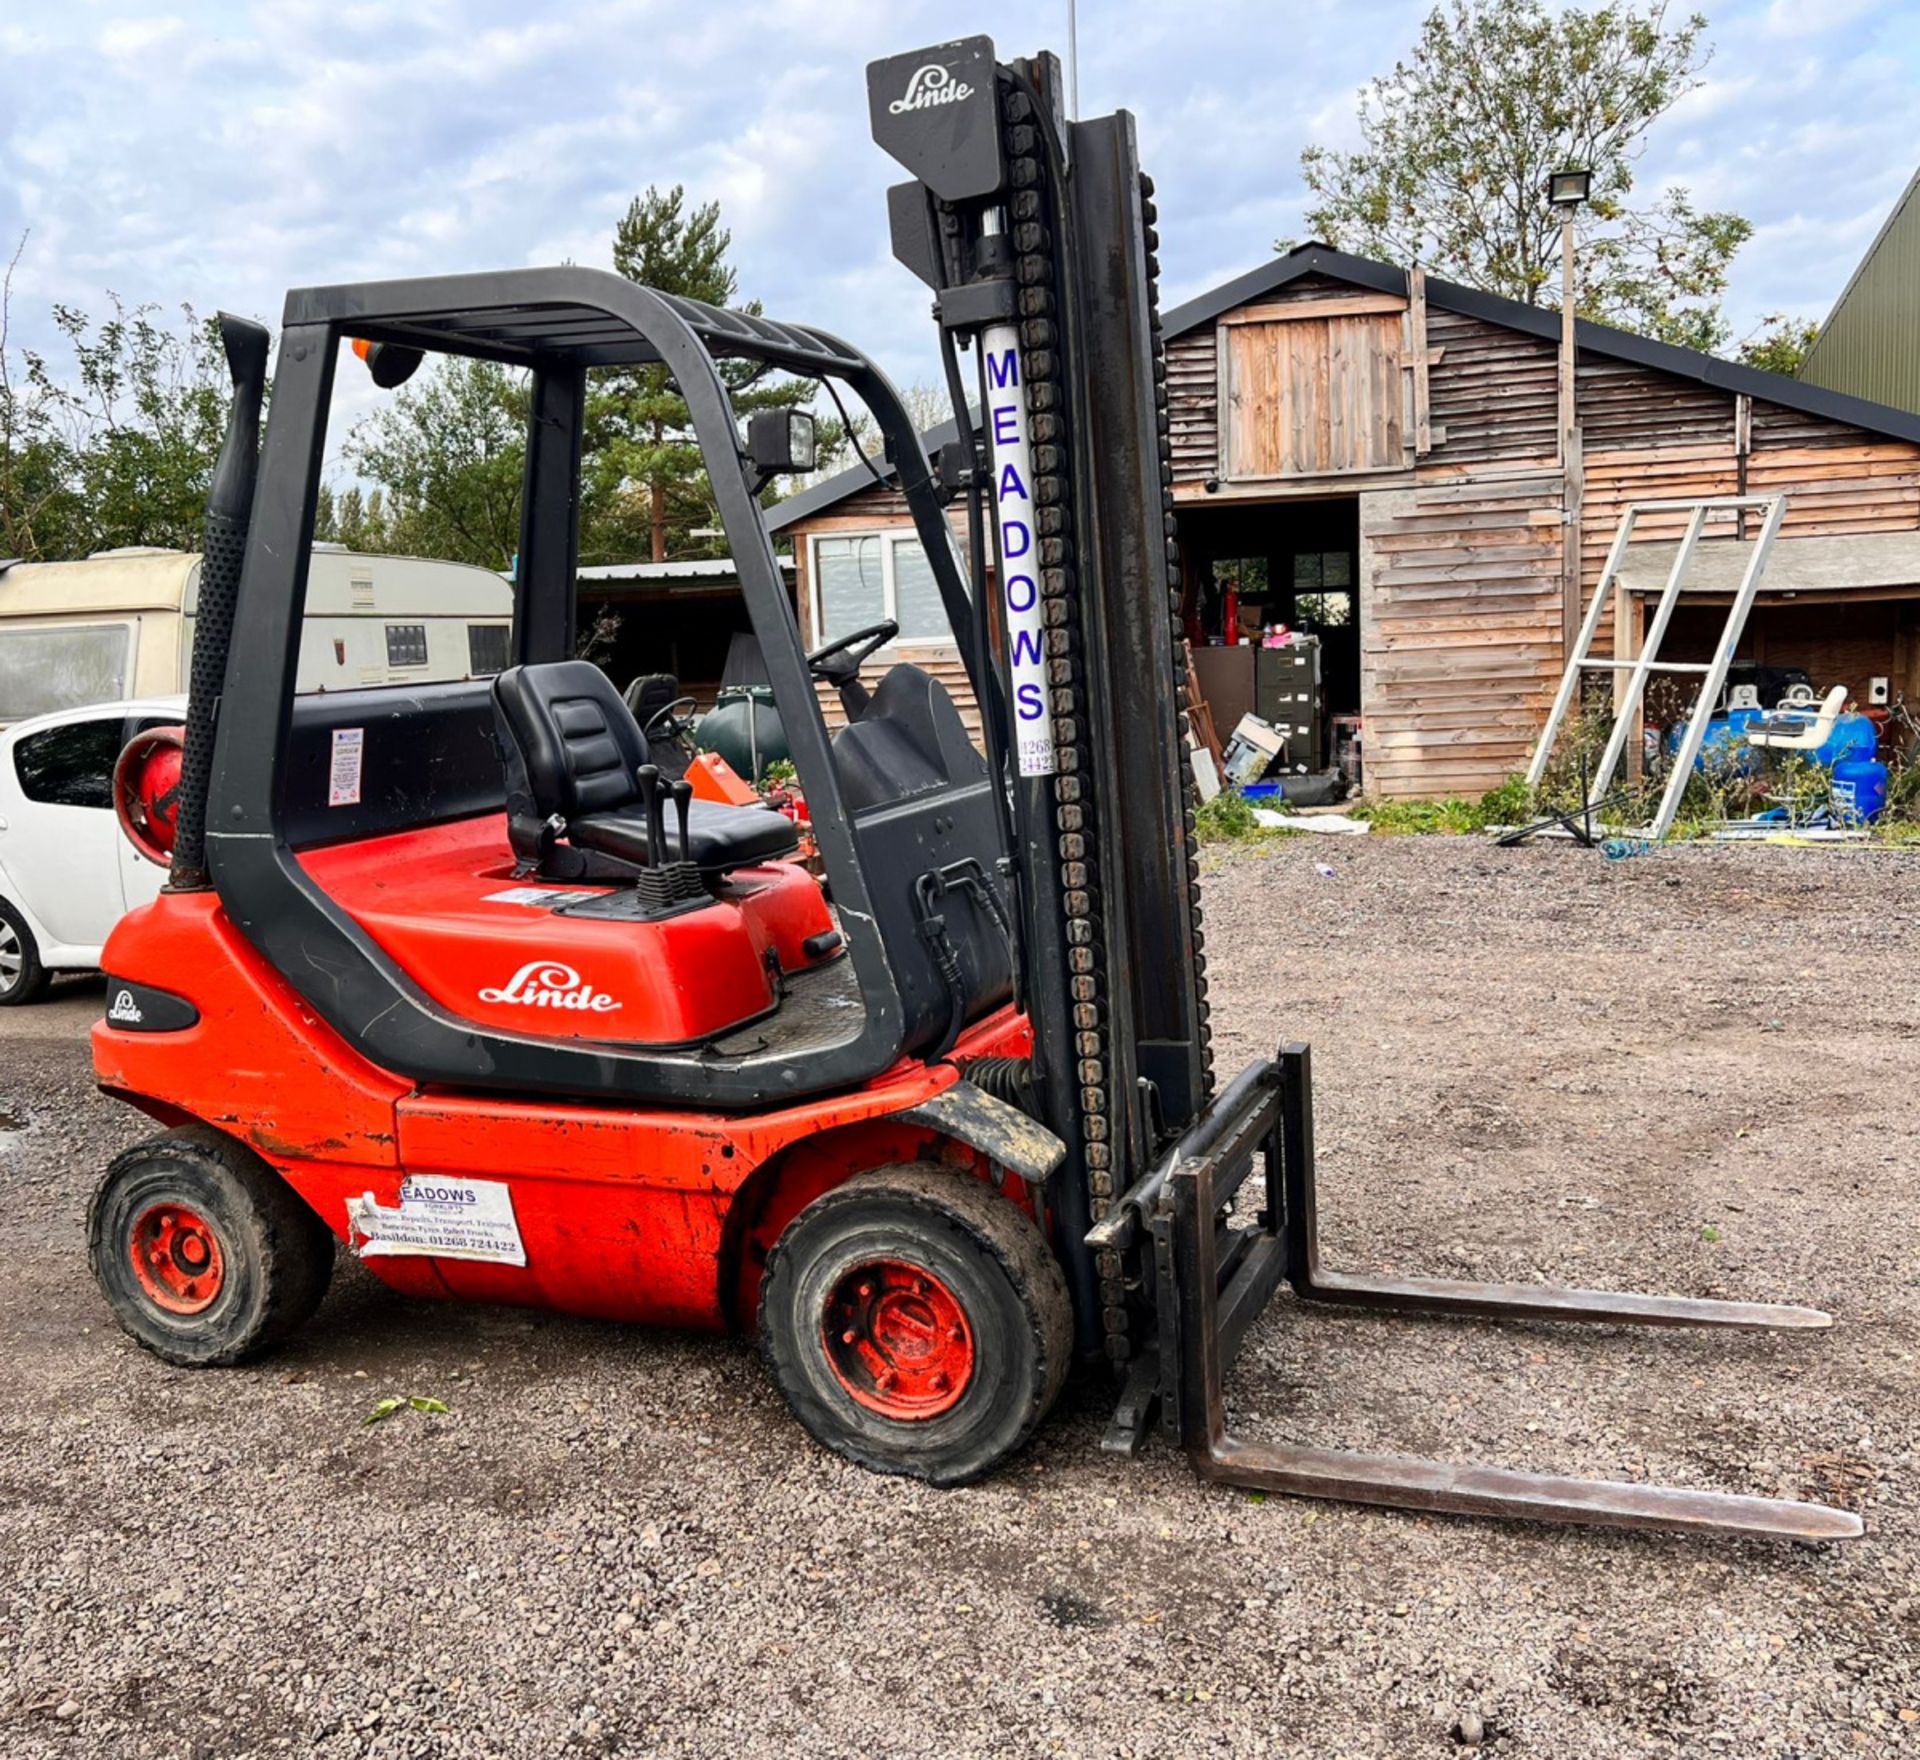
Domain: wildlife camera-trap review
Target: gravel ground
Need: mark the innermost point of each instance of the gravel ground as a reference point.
(1530, 1065)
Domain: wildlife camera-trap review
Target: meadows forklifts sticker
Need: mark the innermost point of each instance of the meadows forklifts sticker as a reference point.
(440, 1219)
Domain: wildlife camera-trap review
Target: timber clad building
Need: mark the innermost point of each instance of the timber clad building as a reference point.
(1379, 457)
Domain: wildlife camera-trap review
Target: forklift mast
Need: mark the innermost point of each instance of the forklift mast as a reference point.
(1036, 234)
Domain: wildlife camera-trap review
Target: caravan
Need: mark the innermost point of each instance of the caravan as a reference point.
(120, 625)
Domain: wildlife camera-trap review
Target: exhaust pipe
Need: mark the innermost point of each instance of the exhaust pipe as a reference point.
(224, 547)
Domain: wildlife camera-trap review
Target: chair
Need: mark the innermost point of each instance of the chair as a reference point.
(1799, 730)
(573, 750)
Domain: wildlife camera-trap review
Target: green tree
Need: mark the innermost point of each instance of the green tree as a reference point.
(117, 450)
(37, 504)
(1460, 138)
(445, 458)
(646, 489)
(1779, 344)
(357, 520)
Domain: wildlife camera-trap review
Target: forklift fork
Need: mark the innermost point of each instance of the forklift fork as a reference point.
(1211, 1282)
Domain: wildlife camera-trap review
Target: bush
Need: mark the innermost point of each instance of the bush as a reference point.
(1511, 803)
(1226, 818)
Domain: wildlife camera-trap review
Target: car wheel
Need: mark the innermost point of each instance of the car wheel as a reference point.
(22, 977)
(205, 1255)
(917, 1322)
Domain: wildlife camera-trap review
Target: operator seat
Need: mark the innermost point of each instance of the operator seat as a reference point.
(572, 748)
(909, 739)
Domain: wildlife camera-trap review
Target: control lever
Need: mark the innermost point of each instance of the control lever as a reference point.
(648, 776)
(682, 792)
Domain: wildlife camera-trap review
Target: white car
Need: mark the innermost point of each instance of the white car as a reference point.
(67, 871)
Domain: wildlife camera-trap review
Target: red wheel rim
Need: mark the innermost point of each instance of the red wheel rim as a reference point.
(897, 1340)
(176, 1257)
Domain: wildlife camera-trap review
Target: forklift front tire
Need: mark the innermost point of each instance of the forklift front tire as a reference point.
(917, 1322)
(205, 1255)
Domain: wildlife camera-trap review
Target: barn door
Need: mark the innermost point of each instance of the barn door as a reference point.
(1311, 393)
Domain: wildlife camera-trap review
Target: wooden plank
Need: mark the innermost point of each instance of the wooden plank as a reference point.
(1305, 310)
(1418, 362)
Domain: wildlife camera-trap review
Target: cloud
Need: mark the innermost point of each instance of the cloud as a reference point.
(275, 143)
(1811, 18)
(129, 39)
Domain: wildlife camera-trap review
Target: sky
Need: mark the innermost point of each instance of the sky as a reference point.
(218, 154)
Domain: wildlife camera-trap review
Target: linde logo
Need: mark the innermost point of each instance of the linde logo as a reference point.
(931, 85)
(125, 1009)
(546, 983)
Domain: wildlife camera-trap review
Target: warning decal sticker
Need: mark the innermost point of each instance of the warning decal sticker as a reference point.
(440, 1218)
(343, 777)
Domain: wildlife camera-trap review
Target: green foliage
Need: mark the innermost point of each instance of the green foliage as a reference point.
(446, 452)
(646, 484)
(356, 520)
(1462, 135)
(1226, 818)
(1779, 344)
(1903, 795)
(118, 447)
(1509, 804)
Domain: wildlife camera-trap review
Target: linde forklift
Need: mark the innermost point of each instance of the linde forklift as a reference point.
(457, 977)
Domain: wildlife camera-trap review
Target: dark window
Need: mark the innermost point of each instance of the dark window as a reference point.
(487, 648)
(70, 766)
(406, 644)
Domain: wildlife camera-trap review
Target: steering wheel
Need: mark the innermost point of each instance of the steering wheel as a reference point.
(839, 662)
(672, 721)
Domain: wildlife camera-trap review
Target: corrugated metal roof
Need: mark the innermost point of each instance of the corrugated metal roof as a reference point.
(1870, 344)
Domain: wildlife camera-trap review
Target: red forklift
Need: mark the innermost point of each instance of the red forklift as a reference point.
(454, 977)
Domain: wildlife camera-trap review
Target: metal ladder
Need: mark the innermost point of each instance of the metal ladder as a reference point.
(1629, 692)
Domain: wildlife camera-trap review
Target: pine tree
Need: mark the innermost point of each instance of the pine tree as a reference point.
(647, 482)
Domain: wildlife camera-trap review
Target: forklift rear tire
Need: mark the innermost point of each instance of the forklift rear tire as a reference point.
(205, 1255)
(23, 978)
(917, 1323)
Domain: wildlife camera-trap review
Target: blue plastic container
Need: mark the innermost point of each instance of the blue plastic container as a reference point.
(1853, 736)
(1724, 743)
(1859, 788)
(1262, 791)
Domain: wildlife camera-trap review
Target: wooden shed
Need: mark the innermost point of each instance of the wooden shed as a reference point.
(1394, 463)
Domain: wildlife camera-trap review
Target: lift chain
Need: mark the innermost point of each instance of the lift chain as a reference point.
(1036, 274)
(1189, 792)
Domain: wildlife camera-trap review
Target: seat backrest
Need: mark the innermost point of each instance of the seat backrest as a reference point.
(577, 741)
(650, 693)
(746, 665)
(911, 739)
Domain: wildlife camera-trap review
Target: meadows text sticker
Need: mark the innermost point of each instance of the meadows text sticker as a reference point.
(343, 775)
(441, 1219)
(1013, 507)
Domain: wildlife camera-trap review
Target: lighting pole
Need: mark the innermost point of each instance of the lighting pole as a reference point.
(1073, 62)
(1568, 190)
